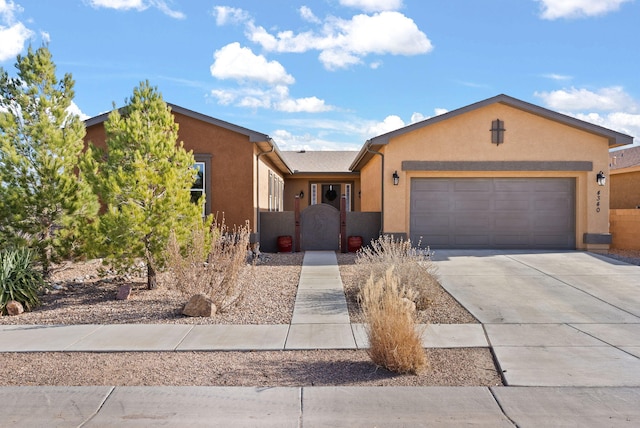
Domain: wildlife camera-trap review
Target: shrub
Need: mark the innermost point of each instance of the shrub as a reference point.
(19, 280)
(394, 341)
(212, 263)
(412, 266)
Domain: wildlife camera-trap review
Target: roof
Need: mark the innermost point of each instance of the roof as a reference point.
(371, 146)
(625, 158)
(319, 161)
(263, 141)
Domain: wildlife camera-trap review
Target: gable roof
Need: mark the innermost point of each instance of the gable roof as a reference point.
(263, 141)
(319, 161)
(625, 158)
(615, 138)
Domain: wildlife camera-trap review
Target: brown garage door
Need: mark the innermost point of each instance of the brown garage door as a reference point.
(493, 212)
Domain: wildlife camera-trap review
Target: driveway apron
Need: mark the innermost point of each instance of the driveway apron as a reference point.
(552, 318)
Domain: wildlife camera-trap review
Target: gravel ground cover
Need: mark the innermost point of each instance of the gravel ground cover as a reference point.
(82, 297)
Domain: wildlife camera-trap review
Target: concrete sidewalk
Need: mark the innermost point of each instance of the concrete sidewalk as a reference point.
(564, 328)
(310, 407)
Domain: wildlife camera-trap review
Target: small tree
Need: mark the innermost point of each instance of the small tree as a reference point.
(143, 178)
(42, 198)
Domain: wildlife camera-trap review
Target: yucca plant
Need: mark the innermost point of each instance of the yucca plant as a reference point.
(19, 279)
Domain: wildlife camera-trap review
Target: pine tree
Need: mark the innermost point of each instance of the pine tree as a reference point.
(143, 178)
(43, 201)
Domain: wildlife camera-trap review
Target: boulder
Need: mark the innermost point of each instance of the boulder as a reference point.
(124, 292)
(199, 306)
(14, 308)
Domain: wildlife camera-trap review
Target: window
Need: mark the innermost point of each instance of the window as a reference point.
(198, 187)
(276, 192)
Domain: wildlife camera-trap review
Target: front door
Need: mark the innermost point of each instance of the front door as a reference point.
(331, 195)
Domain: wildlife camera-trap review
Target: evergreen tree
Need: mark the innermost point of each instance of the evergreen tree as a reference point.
(143, 177)
(42, 198)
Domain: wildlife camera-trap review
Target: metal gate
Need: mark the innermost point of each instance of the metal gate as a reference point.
(320, 228)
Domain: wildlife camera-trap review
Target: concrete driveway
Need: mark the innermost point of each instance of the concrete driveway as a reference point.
(552, 318)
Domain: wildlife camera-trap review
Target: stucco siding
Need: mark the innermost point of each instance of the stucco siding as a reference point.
(625, 190)
(625, 229)
(528, 138)
(370, 179)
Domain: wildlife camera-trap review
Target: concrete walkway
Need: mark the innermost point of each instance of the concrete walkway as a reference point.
(564, 328)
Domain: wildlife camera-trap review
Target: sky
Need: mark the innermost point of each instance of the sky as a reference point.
(330, 74)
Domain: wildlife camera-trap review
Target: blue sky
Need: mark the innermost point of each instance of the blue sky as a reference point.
(329, 74)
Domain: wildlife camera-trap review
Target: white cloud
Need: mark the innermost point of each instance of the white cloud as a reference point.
(288, 141)
(373, 5)
(230, 15)
(275, 98)
(119, 4)
(138, 5)
(13, 34)
(74, 109)
(12, 40)
(235, 62)
(606, 99)
(555, 9)
(609, 107)
(626, 123)
(390, 123)
(343, 43)
(559, 77)
(309, 104)
(307, 14)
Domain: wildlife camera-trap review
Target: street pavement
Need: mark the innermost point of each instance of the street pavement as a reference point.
(564, 328)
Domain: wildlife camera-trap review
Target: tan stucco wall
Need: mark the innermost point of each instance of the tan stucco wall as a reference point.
(528, 137)
(230, 183)
(296, 183)
(625, 190)
(625, 229)
(370, 179)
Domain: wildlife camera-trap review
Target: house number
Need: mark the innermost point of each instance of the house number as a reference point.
(598, 201)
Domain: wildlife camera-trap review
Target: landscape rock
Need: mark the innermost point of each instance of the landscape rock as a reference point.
(14, 307)
(199, 306)
(124, 292)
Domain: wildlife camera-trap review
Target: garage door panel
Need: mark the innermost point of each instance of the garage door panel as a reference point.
(471, 241)
(512, 205)
(512, 241)
(502, 223)
(475, 205)
(435, 221)
(433, 185)
(471, 222)
(494, 213)
(473, 186)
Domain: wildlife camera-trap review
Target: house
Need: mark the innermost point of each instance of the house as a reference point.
(624, 215)
(500, 173)
(241, 169)
(624, 167)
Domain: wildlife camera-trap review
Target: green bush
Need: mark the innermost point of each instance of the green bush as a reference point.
(19, 280)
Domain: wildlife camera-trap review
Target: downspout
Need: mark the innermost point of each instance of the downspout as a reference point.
(381, 185)
(273, 148)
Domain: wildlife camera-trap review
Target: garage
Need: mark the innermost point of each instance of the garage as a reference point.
(507, 213)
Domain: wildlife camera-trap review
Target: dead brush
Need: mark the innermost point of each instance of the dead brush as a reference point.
(213, 263)
(412, 266)
(390, 321)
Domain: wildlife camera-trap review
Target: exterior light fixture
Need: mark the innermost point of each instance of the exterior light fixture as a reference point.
(301, 195)
(601, 178)
(396, 178)
(497, 132)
